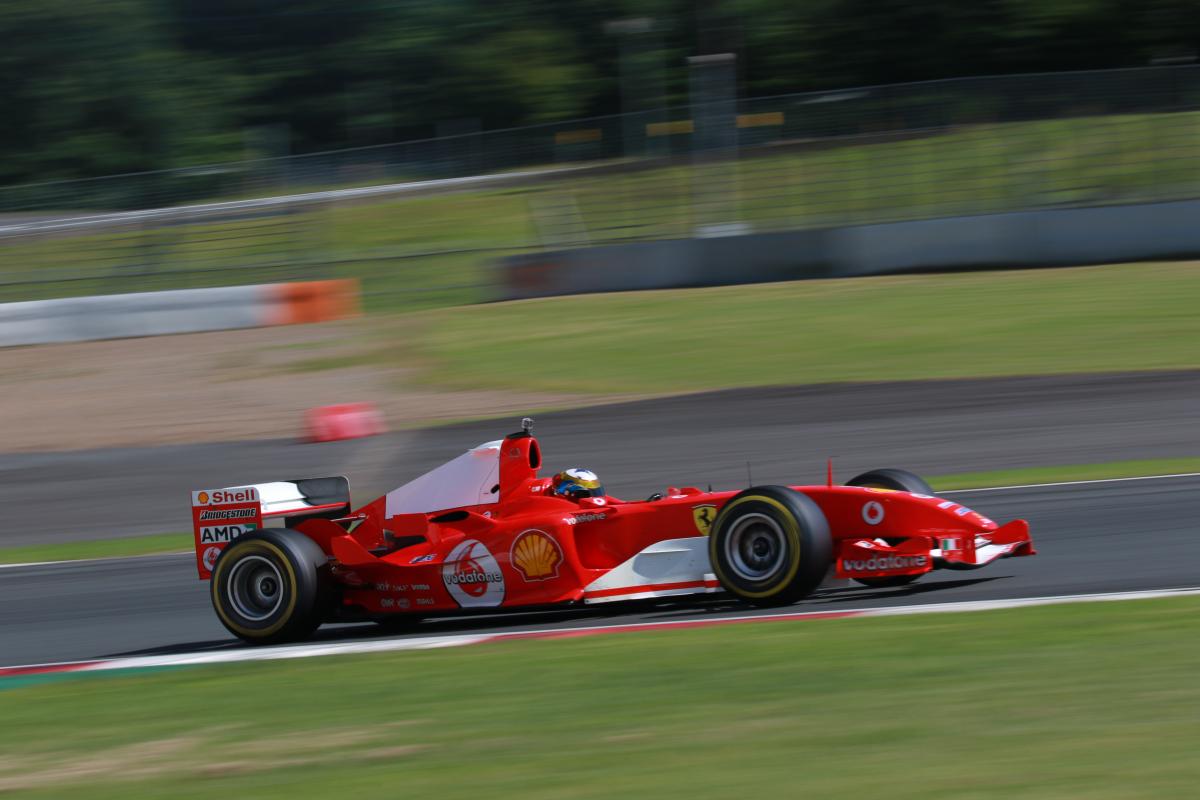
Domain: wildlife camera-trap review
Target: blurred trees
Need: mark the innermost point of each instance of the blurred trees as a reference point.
(92, 88)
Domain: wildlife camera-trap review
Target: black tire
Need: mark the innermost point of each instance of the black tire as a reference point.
(900, 480)
(271, 586)
(770, 545)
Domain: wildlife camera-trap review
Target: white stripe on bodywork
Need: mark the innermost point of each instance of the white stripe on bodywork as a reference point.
(281, 497)
(652, 593)
(668, 561)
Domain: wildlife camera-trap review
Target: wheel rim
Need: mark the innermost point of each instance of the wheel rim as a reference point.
(756, 547)
(255, 588)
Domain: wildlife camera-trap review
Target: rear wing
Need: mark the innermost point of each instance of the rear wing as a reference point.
(219, 516)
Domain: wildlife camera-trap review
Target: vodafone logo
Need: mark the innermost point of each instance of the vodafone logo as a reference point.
(210, 557)
(472, 576)
(881, 563)
(872, 513)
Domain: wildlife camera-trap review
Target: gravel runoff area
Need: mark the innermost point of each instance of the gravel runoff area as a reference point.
(221, 386)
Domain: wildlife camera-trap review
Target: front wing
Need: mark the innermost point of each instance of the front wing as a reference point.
(876, 558)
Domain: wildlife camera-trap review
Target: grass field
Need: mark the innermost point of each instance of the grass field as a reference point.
(390, 243)
(177, 542)
(115, 547)
(1091, 700)
(1027, 322)
(1072, 472)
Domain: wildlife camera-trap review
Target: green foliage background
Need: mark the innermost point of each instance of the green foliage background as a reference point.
(94, 88)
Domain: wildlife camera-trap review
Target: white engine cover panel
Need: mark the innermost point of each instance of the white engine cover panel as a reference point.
(664, 569)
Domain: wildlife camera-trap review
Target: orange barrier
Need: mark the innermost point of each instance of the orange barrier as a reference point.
(342, 421)
(221, 308)
(312, 301)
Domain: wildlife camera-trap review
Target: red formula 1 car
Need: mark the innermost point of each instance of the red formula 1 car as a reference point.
(483, 531)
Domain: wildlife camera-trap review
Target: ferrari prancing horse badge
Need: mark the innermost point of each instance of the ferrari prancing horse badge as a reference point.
(703, 516)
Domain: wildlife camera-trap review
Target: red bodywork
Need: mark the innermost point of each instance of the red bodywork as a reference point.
(527, 548)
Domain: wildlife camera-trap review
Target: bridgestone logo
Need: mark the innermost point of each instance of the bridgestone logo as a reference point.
(475, 577)
(884, 562)
(232, 513)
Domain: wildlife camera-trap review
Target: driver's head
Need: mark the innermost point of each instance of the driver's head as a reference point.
(576, 483)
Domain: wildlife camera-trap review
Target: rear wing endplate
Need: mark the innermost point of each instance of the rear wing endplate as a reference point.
(219, 516)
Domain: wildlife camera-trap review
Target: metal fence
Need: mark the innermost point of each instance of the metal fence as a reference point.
(419, 219)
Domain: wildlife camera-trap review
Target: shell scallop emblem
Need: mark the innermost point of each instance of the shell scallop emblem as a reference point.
(536, 556)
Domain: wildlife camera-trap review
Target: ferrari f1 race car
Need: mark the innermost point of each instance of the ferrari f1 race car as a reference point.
(483, 531)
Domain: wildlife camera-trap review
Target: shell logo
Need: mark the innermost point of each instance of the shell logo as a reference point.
(536, 556)
(202, 498)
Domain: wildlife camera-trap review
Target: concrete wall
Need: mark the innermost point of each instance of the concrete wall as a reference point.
(1050, 237)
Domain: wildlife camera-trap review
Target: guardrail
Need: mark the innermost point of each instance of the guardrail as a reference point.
(808, 161)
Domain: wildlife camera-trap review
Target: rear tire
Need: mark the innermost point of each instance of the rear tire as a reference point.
(271, 586)
(898, 480)
(770, 545)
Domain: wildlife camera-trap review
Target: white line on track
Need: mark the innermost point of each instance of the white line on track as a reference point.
(95, 560)
(245, 654)
(948, 491)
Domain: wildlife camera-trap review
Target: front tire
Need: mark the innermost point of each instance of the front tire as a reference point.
(897, 480)
(770, 545)
(271, 586)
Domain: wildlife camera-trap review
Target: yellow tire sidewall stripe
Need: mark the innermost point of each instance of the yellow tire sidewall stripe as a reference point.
(790, 528)
(262, 547)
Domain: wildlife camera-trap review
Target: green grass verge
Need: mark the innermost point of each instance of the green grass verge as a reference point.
(966, 169)
(176, 542)
(1026, 322)
(99, 548)
(1089, 700)
(1072, 472)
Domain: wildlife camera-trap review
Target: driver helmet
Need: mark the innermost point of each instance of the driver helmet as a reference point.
(576, 483)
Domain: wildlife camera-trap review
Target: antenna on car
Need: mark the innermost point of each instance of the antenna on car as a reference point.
(524, 433)
(749, 477)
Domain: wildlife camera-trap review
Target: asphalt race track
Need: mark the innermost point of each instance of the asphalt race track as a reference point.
(786, 433)
(1092, 537)
(1098, 537)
